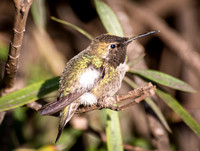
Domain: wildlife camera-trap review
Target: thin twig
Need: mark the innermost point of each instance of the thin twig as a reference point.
(135, 96)
(131, 98)
(21, 12)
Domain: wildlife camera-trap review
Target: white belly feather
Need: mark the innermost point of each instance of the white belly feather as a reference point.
(87, 81)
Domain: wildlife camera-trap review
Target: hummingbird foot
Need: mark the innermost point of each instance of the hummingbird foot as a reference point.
(107, 102)
(121, 102)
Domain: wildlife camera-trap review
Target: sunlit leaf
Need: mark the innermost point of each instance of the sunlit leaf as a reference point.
(69, 138)
(108, 18)
(73, 26)
(151, 103)
(174, 105)
(163, 79)
(28, 94)
(158, 112)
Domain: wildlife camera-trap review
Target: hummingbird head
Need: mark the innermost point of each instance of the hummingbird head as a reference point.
(112, 47)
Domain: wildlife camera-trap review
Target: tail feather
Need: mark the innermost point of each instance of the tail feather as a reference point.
(66, 115)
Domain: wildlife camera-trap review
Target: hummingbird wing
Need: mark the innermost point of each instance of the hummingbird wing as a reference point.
(59, 104)
(80, 75)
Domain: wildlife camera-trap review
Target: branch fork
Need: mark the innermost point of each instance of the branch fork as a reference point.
(120, 102)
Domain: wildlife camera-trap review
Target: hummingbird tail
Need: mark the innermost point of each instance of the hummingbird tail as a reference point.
(66, 115)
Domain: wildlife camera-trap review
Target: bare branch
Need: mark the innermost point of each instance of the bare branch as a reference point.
(131, 98)
(135, 96)
(21, 12)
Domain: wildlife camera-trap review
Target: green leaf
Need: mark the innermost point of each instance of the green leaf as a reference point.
(113, 131)
(158, 112)
(151, 103)
(28, 94)
(174, 105)
(69, 138)
(73, 26)
(108, 18)
(163, 79)
(112, 25)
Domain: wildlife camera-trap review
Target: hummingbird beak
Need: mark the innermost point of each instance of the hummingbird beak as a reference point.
(139, 36)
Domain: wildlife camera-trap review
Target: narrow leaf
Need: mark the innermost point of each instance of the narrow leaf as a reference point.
(112, 25)
(28, 94)
(73, 26)
(108, 18)
(159, 113)
(151, 103)
(185, 116)
(163, 79)
(113, 131)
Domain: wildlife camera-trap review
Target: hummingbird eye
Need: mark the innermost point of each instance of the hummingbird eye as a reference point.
(112, 46)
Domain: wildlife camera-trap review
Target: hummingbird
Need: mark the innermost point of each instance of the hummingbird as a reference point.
(95, 73)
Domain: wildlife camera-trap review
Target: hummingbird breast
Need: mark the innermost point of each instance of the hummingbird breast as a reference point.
(91, 76)
(88, 80)
(111, 82)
